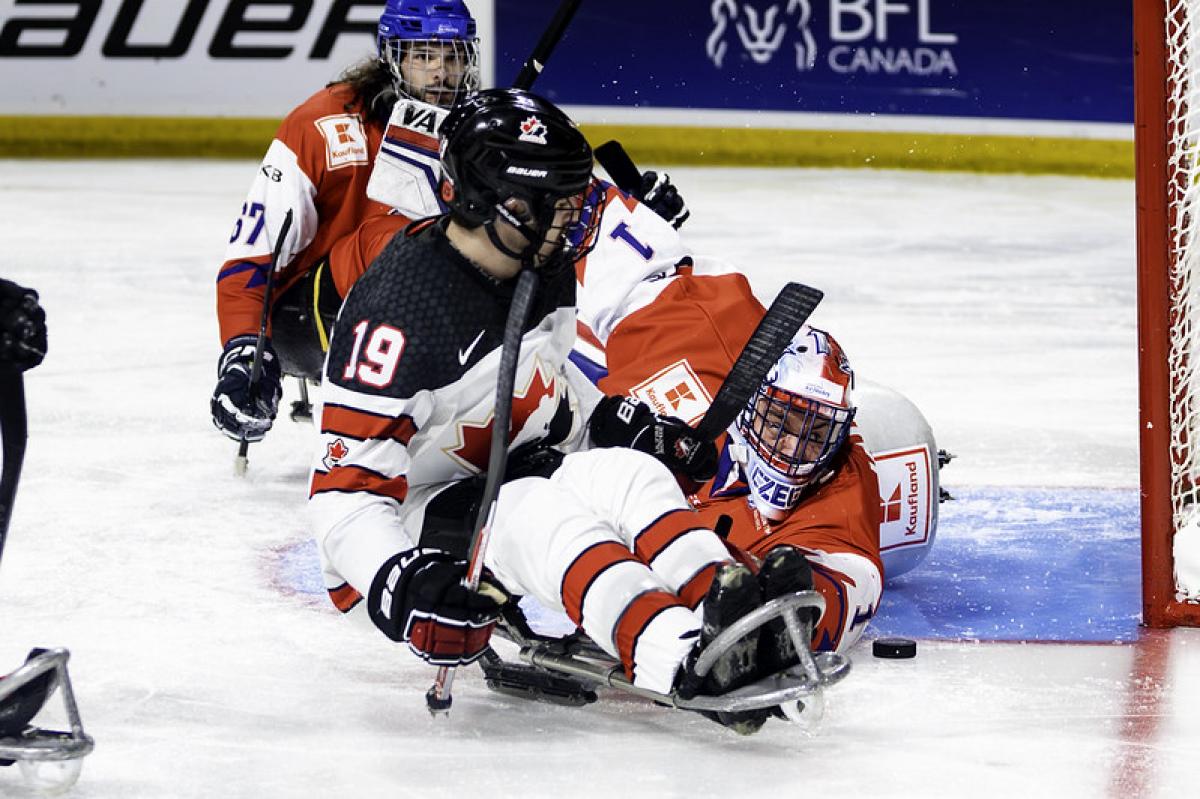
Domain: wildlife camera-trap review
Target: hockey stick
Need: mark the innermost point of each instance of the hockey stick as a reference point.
(240, 462)
(775, 331)
(620, 167)
(438, 698)
(536, 62)
(14, 429)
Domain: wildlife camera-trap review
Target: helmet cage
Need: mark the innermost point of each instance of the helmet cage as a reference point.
(576, 233)
(794, 435)
(457, 59)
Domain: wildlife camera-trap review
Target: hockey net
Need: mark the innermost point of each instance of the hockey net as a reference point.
(1167, 123)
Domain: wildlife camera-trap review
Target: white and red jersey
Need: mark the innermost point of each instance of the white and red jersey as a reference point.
(318, 167)
(409, 391)
(673, 354)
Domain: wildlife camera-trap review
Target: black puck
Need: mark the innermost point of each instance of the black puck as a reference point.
(894, 648)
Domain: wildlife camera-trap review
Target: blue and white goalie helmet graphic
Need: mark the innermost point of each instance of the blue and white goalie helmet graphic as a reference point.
(431, 49)
(795, 425)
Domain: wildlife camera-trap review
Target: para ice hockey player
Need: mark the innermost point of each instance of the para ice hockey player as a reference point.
(604, 535)
(361, 150)
(49, 760)
(318, 166)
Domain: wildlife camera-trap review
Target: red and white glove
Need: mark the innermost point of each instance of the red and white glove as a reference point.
(418, 596)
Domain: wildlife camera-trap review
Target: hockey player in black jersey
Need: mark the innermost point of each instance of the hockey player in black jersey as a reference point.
(604, 535)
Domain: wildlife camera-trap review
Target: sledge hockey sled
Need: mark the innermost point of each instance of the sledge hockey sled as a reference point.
(568, 670)
(50, 759)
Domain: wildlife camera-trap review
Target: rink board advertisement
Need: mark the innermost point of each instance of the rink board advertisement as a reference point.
(190, 58)
(1023, 59)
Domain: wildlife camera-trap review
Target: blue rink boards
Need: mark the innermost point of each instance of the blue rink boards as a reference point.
(1009, 564)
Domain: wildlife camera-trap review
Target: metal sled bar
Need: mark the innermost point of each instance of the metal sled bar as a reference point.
(785, 606)
(814, 672)
(36, 744)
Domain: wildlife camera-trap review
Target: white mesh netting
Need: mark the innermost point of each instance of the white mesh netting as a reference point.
(1183, 216)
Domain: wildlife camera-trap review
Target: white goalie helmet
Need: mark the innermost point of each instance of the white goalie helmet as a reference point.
(793, 428)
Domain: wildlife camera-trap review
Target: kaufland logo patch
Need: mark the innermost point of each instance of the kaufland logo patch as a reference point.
(532, 130)
(345, 140)
(905, 497)
(675, 391)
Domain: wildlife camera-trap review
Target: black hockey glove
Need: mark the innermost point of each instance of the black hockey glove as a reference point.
(625, 422)
(235, 413)
(419, 597)
(660, 194)
(22, 327)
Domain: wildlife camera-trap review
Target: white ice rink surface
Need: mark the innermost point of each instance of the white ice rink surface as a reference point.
(1003, 306)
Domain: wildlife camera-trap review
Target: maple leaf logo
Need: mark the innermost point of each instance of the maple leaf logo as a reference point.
(334, 453)
(475, 439)
(532, 130)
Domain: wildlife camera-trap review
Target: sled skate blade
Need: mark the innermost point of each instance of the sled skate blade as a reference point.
(532, 683)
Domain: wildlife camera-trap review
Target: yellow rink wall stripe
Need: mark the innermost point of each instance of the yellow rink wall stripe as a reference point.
(174, 137)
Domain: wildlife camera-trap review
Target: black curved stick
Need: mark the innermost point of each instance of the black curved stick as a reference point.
(438, 698)
(240, 462)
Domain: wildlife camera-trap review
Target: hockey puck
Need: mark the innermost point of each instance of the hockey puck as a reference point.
(894, 648)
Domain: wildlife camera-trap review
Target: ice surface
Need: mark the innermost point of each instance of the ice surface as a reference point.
(1003, 306)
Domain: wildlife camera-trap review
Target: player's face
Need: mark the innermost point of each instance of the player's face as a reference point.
(566, 211)
(793, 432)
(433, 71)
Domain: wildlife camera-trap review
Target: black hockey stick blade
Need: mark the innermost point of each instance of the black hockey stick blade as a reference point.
(438, 698)
(620, 167)
(783, 320)
(536, 62)
(14, 429)
(239, 463)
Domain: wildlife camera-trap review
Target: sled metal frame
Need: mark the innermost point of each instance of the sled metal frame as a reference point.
(36, 744)
(578, 657)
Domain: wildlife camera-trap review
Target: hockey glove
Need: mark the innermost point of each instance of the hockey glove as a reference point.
(660, 194)
(625, 422)
(419, 597)
(236, 411)
(22, 327)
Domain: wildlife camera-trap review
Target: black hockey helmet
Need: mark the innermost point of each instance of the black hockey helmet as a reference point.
(502, 145)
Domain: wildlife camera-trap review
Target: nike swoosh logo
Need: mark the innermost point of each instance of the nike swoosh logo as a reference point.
(464, 355)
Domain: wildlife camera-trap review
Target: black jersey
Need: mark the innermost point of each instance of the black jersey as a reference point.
(409, 394)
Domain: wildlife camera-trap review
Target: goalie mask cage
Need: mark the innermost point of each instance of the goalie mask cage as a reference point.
(1167, 126)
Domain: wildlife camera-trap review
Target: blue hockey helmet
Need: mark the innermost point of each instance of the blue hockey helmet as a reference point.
(431, 49)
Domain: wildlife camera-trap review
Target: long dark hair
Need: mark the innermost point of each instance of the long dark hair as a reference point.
(372, 87)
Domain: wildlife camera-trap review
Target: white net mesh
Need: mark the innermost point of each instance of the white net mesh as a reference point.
(1183, 216)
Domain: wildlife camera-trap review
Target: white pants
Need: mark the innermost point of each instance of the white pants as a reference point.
(610, 540)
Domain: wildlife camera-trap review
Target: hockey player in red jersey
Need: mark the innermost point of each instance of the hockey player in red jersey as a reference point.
(603, 534)
(792, 471)
(363, 150)
(318, 167)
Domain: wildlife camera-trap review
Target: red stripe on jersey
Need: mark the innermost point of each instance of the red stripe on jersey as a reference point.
(356, 478)
(584, 332)
(663, 532)
(692, 592)
(409, 136)
(342, 421)
(583, 571)
(634, 621)
(344, 597)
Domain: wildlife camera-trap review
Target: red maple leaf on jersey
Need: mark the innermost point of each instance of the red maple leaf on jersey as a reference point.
(476, 439)
(334, 453)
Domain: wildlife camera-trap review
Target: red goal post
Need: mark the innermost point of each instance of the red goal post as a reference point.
(1167, 91)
